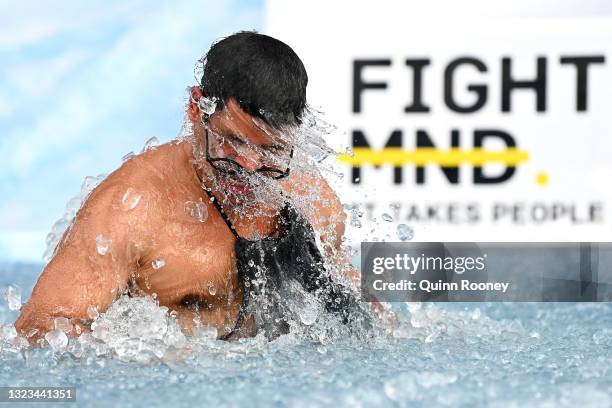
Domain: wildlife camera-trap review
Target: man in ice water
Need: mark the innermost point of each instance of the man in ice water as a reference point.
(213, 224)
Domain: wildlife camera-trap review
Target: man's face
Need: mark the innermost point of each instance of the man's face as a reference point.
(247, 155)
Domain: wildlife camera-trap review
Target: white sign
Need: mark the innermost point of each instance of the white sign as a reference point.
(492, 129)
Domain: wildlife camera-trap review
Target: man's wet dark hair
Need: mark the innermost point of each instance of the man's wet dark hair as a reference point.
(264, 75)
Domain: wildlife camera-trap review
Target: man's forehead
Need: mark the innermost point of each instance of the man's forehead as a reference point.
(256, 129)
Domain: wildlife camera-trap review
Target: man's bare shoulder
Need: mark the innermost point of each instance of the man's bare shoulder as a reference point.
(318, 202)
(313, 188)
(153, 168)
(136, 191)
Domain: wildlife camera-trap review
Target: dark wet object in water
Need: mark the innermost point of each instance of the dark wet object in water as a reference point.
(266, 267)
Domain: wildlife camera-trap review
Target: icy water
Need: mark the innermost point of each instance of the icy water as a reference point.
(551, 355)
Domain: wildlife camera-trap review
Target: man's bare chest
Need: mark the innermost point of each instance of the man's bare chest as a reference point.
(191, 260)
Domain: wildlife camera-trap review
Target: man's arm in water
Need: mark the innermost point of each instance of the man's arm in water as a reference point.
(329, 219)
(91, 266)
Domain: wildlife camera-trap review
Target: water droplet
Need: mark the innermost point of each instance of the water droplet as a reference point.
(131, 198)
(12, 296)
(212, 289)
(355, 222)
(158, 263)
(150, 144)
(63, 324)
(127, 156)
(404, 232)
(196, 209)
(102, 244)
(251, 263)
(387, 217)
(92, 312)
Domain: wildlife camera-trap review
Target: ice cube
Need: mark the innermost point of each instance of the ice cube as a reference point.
(127, 156)
(57, 339)
(102, 244)
(7, 332)
(207, 332)
(196, 209)
(150, 144)
(89, 182)
(63, 324)
(308, 313)
(404, 232)
(207, 105)
(92, 312)
(158, 263)
(12, 296)
(131, 198)
(73, 206)
(99, 332)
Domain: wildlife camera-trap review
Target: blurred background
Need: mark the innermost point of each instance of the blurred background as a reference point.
(81, 85)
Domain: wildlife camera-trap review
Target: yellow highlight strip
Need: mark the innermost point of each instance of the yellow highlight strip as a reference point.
(397, 156)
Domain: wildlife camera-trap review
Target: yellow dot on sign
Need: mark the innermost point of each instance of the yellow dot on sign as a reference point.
(542, 179)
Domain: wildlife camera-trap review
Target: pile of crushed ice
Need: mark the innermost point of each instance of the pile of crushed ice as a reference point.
(139, 329)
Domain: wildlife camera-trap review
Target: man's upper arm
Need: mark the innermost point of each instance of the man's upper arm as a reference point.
(91, 265)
